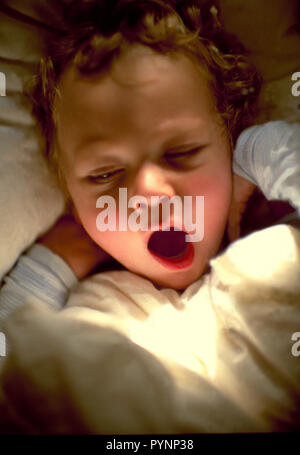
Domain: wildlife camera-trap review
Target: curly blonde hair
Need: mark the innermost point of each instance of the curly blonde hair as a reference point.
(96, 31)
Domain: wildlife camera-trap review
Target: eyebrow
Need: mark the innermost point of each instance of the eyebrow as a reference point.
(88, 141)
(181, 128)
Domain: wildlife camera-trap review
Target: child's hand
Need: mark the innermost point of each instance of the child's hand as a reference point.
(69, 240)
(242, 190)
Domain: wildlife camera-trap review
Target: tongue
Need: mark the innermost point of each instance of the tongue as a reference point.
(168, 244)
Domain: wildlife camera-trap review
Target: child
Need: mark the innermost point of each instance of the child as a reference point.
(139, 100)
(149, 96)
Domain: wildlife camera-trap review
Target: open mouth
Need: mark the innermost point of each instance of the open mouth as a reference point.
(171, 249)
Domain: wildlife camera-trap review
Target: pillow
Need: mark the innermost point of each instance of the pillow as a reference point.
(30, 201)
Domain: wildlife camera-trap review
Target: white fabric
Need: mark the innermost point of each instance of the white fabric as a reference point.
(30, 200)
(123, 357)
(269, 156)
(41, 273)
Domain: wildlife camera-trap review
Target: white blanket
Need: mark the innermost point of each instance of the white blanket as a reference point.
(124, 357)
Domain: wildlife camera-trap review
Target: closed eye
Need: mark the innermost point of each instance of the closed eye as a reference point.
(184, 159)
(174, 155)
(106, 177)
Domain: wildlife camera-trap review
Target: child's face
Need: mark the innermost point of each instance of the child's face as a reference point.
(133, 128)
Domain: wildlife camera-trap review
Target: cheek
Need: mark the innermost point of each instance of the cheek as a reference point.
(86, 210)
(216, 187)
(218, 192)
(118, 244)
(88, 217)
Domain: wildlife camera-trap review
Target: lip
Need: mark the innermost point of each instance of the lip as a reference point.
(185, 260)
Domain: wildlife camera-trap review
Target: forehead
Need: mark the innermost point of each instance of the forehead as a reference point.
(142, 90)
(138, 65)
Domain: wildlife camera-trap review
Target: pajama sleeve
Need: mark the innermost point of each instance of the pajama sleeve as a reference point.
(40, 273)
(269, 156)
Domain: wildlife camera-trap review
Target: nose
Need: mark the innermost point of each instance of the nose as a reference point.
(153, 181)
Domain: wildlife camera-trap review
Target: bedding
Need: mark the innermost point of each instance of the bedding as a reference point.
(30, 200)
(123, 357)
(224, 363)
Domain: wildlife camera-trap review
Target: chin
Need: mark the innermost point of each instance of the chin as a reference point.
(178, 283)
